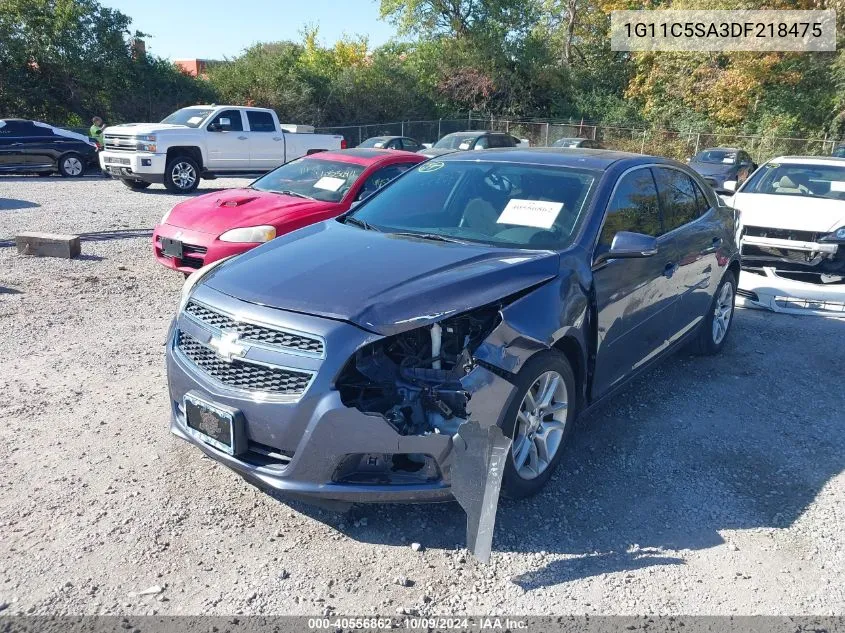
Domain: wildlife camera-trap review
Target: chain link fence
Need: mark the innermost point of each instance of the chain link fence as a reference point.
(671, 143)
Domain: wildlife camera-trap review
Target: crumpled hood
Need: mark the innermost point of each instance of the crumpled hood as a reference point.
(220, 211)
(782, 211)
(143, 128)
(383, 283)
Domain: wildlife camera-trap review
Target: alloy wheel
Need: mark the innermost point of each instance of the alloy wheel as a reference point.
(540, 424)
(72, 166)
(183, 175)
(723, 312)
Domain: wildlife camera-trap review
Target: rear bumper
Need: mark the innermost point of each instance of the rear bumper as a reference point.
(199, 248)
(134, 165)
(770, 291)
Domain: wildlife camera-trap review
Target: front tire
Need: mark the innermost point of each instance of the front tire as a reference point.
(539, 420)
(71, 166)
(135, 185)
(182, 175)
(716, 325)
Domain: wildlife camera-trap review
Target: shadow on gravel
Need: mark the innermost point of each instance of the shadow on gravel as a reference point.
(116, 234)
(693, 448)
(10, 291)
(10, 204)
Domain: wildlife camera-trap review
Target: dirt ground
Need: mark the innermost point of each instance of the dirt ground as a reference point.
(710, 486)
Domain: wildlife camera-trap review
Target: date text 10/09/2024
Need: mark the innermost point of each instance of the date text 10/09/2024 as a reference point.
(418, 623)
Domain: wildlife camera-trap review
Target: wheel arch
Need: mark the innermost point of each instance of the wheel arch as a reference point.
(186, 150)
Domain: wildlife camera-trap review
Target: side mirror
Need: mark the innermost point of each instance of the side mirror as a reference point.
(627, 245)
(729, 185)
(213, 127)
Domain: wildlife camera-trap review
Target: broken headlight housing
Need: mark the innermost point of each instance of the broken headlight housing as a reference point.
(414, 378)
(837, 236)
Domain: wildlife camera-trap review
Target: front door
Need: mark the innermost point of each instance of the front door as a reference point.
(635, 298)
(228, 144)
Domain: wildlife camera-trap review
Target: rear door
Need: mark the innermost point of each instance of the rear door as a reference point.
(266, 143)
(634, 297)
(11, 146)
(691, 228)
(42, 147)
(228, 147)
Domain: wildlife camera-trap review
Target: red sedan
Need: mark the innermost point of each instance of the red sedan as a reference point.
(304, 191)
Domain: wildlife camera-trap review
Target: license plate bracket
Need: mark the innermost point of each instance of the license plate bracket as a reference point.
(215, 424)
(171, 248)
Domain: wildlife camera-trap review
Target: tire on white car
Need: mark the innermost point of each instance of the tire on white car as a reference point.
(182, 174)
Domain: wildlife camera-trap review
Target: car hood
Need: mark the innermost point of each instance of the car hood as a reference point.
(143, 128)
(232, 208)
(781, 211)
(383, 283)
(711, 169)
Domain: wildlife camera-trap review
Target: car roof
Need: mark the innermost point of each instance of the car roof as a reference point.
(382, 138)
(721, 149)
(810, 160)
(596, 159)
(364, 155)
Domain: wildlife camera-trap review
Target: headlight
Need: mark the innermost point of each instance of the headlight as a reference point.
(193, 279)
(249, 234)
(836, 236)
(145, 143)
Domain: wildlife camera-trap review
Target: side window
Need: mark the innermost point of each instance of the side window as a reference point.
(677, 198)
(11, 128)
(228, 121)
(380, 178)
(260, 121)
(633, 208)
(483, 143)
(701, 202)
(410, 145)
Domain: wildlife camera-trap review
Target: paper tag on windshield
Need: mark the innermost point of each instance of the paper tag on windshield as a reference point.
(837, 185)
(378, 145)
(463, 146)
(329, 183)
(728, 161)
(194, 120)
(537, 213)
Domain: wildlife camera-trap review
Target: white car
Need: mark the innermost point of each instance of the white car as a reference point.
(206, 141)
(792, 232)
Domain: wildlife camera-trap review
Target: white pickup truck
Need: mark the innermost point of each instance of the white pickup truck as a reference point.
(206, 141)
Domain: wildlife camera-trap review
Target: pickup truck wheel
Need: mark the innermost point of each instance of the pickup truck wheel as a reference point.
(71, 166)
(539, 420)
(717, 322)
(135, 185)
(182, 175)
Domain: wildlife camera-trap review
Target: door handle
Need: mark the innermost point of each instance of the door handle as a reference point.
(277, 138)
(669, 269)
(242, 138)
(716, 243)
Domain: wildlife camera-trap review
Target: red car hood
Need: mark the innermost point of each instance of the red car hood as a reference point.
(232, 208)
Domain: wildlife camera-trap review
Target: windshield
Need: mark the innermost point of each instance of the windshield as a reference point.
(192, 117)
(726, 157)
(839, 152)
(794, 179)
(456, 141)
(377, 142)
(500, 204)
(567, 142)
(312, 177)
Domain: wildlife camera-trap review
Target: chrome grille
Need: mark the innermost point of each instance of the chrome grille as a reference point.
(242, 374)
(255, 333)
(120, 143)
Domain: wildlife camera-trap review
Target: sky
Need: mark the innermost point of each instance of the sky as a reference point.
(214, 29)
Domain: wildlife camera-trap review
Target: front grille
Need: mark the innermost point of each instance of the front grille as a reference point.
(119, 143)
(253, 332)
(241, 374)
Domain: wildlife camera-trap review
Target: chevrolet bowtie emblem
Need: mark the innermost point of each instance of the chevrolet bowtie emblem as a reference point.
(227, 346)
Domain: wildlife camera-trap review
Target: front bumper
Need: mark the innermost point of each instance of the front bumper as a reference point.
(198, 248)
(134, 165)
(300, 445)
(770, 291)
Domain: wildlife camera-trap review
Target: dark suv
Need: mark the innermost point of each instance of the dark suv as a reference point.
(476, 298)
(34, 147)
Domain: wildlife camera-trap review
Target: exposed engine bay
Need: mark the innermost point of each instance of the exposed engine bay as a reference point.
(414, 378)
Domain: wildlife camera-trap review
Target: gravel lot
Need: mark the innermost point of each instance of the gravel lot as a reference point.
(711, 486)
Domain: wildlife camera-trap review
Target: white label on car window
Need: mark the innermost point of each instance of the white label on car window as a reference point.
(378, 145)
(194, 120)
(728, 160)
(537, 213)
(329, 184)
(463, 146)
(837, 185)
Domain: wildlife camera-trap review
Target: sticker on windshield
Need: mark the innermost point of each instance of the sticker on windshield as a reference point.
(329, 184)
(837, 185)
(728, 160)
(431, 166)
(194, 120)
(464, 145)
(378, 145)
(537, 213)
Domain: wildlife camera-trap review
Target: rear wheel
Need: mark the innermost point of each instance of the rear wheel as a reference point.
(182, 175)
(135, 185)
(71, 166)
(716, 325)
(539, 421)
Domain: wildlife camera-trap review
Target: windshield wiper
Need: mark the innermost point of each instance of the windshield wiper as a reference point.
(351, 219)
(286, 192)
(429, 236)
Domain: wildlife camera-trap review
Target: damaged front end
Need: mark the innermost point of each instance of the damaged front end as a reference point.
(427, 381)
(795, 272)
